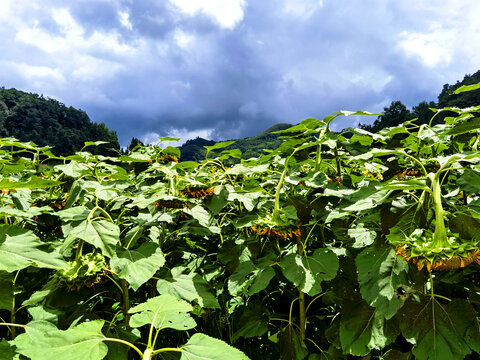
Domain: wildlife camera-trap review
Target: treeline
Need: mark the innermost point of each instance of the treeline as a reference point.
(397, 113)
(45, 121)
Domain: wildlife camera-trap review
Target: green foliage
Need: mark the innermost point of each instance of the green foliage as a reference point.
(45, 121)
(328, 247)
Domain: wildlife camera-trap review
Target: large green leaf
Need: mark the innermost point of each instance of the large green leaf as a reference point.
(252, 323)
(363, 237)
(33, 182)
(307, 272)
(101, 234)
(404, 185)
(203, 347)
(191, 287)
(20, 248)
(44, 342)
(164, 311)
(249, 279)
(362, 329)
(162, 320)
(465, 88)
(380, 274)
(74, 169)
(465, 127)
(6, 350)
(470, 181)
(6, 288)
(139, 265)
(219, 145)
(438, 331)
(162, 303)
(291, 345)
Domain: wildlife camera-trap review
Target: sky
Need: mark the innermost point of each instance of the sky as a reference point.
(225, 69)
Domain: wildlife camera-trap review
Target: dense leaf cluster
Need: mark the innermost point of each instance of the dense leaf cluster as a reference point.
(332, 246)
(45, 121)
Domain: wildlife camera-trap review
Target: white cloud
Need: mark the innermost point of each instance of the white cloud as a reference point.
(182, 134)
(125, 19)
(369, 76)
(182, 39)
(302, 8)
(77, 56)
(227, 13)
(433, 48)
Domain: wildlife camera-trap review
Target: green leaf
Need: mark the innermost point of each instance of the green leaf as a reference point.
(248, 199)
(139, 265)
(305, 126)
(101, 234)
(291, 345)
(163, 320)
(437, 330)
(191, 287)
(374, 153)
(164, 311)
(362, 329)
(203, 347)
(380, 274)
(200, 214)
(94, 143)
(42, 313)
(168, 138)
(74, 169)
(252, 323)
(6, 350)
(472, 336)
(308, 272)
(465, 88)
(162, 303)
(358, 112)
(465, 127)
(6, 287)
(469, 181)
(20, 248)
(82, 342)
(219, 145)
(32, 182)
(363, 237)
(249, 279)
(77, 213)
(235, 153)
(404, 185)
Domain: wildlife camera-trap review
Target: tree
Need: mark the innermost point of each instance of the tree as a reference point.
(393, 115)
(135, 142)
(423, 113)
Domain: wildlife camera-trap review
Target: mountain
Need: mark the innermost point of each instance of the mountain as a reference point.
(45, 121)
(193, 150)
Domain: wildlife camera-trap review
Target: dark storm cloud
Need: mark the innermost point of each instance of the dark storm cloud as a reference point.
(149, 68)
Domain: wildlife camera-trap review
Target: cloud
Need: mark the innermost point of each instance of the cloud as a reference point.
(125, 19)
(302, 8)
(227, 13)
(228, 69)
(182, 134)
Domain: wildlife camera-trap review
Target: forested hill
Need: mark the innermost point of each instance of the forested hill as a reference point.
(397, 113)
(45, 121)
(250, 147)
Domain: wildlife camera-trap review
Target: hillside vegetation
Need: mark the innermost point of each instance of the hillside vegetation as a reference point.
(45, 121)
